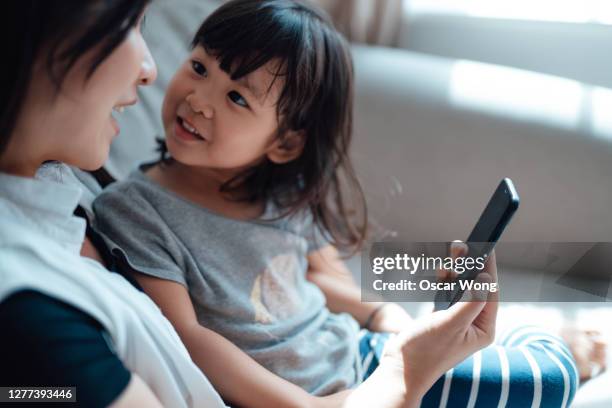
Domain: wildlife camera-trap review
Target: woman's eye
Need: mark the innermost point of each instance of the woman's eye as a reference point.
(238, 99)
(198, 68)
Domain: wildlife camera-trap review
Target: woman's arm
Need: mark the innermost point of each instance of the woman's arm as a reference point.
(430, 346)
(330, 274)
(237, 377)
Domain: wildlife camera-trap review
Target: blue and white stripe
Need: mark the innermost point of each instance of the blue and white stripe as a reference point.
(529, 368)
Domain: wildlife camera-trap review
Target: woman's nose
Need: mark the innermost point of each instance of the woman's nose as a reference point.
(199, 106)
(148, 69)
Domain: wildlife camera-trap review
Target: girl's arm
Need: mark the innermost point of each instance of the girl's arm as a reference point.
(330, 274)
(235, 375)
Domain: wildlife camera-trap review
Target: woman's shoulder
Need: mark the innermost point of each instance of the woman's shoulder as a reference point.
(31, 310)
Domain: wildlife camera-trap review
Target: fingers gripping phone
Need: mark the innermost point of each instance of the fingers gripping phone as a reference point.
(481, 241)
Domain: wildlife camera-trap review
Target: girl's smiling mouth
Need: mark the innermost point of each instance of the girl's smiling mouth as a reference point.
(185, 131)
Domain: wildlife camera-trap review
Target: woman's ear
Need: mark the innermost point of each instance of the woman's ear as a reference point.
(288, 148)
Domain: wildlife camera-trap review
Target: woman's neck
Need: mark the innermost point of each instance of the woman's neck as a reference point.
(23, 155)
(18, 169)
(15, 164)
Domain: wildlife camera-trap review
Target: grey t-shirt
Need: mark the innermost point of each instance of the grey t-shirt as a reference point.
(246, 279)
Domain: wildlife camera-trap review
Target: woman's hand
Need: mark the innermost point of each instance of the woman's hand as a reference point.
(433, 344)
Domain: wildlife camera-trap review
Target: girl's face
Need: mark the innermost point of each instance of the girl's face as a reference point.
(214, 122)
(75, 125)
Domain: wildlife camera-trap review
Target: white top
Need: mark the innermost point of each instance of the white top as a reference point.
(40, 240)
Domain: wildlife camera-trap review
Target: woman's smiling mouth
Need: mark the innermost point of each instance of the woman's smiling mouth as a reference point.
(118, 110)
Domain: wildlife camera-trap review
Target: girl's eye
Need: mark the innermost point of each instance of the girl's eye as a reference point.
(238, 99)
(198, 68)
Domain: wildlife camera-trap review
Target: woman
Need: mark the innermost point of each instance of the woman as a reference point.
(72, 63)
(66, 320)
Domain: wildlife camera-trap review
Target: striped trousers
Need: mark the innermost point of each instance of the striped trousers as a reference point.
(527, 367)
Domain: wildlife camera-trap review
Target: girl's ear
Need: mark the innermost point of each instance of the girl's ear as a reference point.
(287, 149)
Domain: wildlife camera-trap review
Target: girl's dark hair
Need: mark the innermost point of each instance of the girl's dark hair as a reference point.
(316, 68)
(55, 33)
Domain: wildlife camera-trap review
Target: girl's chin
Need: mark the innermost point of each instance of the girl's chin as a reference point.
(174, 149)
(183, 155)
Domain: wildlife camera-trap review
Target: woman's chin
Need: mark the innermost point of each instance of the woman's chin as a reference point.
(94, 159)
(100, 154)
(92, 165)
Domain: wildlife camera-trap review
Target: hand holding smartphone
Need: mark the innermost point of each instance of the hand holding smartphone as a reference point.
(487, 231)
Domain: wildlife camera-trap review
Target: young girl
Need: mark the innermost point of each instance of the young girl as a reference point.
(233, 233)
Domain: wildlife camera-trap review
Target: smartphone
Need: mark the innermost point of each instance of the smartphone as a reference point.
(481, 241)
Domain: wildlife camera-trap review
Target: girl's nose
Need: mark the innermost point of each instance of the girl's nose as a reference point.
(207, 112)
(148, 69)
(200, 107)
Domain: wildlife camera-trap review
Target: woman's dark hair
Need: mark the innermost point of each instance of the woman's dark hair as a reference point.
(316, 68)
(55, 33)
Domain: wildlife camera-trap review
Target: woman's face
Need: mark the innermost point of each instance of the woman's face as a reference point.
(76, 124)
